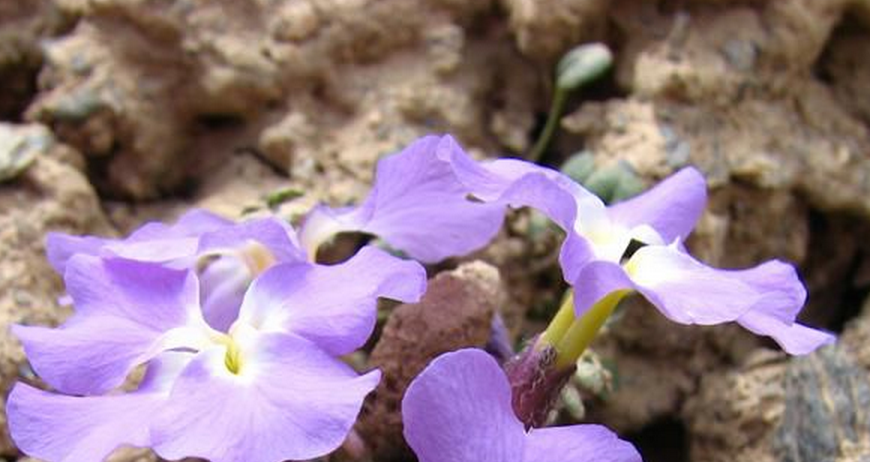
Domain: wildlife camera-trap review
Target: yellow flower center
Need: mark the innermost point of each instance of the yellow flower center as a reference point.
(257, 258)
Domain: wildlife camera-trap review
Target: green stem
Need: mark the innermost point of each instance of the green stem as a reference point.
(552, 122)
(560, 323)
(571, 336)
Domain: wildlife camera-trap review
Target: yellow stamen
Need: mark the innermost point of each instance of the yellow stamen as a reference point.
(257, 257)
(233, 357)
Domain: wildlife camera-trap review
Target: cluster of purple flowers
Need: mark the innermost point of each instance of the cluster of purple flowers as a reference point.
(236, 335)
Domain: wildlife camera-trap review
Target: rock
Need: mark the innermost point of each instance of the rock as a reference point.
(546, 28)
(298, 66)
(19, 146)
(456, 312)
(826, 400)
(658, 364)
(842, 66)
(733, 416)
(51, 195)
(23, 26)
(772, 408)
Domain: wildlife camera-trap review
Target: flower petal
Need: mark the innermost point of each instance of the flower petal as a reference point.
(290, 400)
(158, 242)
(541, 192)
(71, 429)
(194, 222)
(64, 428)
(272, 232)
(459, 410)
(578, 443)
(223, 283)
(126, 313)
(575, 254)
(243, 251)
(794, 338)
(417, 205)
(595, 281)
(784, 293)
(521, 184)
(672, 207)
(333, 306)
(154, 241)
(688, 291)
(60, 247)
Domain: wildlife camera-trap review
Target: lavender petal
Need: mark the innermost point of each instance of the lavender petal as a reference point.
(126, 313)
(672, 207)
(289, 401)
(578, 443)
(417, 205)
(459, 409)
(333, 306)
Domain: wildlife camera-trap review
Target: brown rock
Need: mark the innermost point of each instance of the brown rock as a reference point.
(659, 364)
(546, 28)
(200, 66)
(455, 313)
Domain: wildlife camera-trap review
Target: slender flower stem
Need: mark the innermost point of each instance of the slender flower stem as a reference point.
(583, 330)
(570, 336)
(560, 323)
(556, 108)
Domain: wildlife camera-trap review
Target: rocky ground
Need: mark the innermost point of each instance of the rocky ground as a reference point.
(117, 111)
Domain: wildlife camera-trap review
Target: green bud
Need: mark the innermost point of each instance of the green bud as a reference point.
(539, 226)
(579, 166)
(281, 196)
(602, 183)
(582, 65)
(629, 184)
(614, 183)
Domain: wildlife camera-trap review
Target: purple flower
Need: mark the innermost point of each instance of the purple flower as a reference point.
(596, 261)
(226, 255)
(459, 410)
(270, 388)
(417, 205)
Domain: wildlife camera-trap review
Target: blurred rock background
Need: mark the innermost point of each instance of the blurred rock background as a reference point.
(117, 111)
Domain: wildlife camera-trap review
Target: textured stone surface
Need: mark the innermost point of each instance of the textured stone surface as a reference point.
(456, 312)
(827, 399)
(812, 408)
(546, 28)
(23, 25)
(658, 364)
(304, 69)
